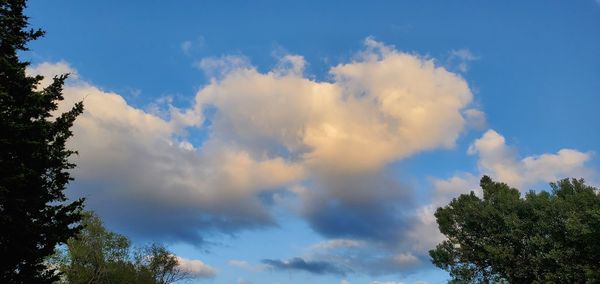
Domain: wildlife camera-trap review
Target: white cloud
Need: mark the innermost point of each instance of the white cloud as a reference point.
(373, 113)
(143, 176)
(186, 46)
(196, 268)
(326, 142)
(336, 243)
(463, 54)
(290, 65)
(271, 130)
(502, 163)
(217, 67)
(475, 118)
(459, 59)
(245, 265)
(423, 234)
(238, 263)
(446, 189)
(49, 70)
(382, 107)
(406, 259)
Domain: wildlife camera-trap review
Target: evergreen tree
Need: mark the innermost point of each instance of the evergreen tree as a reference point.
(34, 162)
(543, 237)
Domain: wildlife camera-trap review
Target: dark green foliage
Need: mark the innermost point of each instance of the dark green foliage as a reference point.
(100, 256)
(34, 214)
(545, 237)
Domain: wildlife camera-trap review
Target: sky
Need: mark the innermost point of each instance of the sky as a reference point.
(312, 141)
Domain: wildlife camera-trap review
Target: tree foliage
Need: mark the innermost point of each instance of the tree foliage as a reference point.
(99, 256)
(544, 237)
(162, 265)
(34, 213)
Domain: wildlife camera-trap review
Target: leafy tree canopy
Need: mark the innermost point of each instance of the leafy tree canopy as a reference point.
(97, 255)
(544, 237)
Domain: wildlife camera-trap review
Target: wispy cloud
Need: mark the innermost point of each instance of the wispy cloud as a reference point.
(189, 46)
(245, 265)
(459, 59)
(316, 267)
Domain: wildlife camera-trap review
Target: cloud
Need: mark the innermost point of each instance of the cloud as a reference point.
(406, 259)
(336, 243)
(373, 113)
(459, 59)
(245, 265)
(299, 264)
(463, 54)
(281, 138)
(446, 189)
(239, 263)
(49, 70)
(196, 268)
(188, 46)
(142, 175)
(380, 108)
(266, 133)
(475, 118)
(367, 257)
(217, 67)
(368, 207)
(501, 161)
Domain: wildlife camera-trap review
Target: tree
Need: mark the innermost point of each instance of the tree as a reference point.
(161, 263)
(34, 213)
(97, 255)
(543, 237)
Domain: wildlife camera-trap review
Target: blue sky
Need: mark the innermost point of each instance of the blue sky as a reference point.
(310, 142)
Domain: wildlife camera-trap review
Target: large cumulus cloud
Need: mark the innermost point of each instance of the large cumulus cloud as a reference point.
(141, 174)
(268, 132)
(381, 107)
(280, 137)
